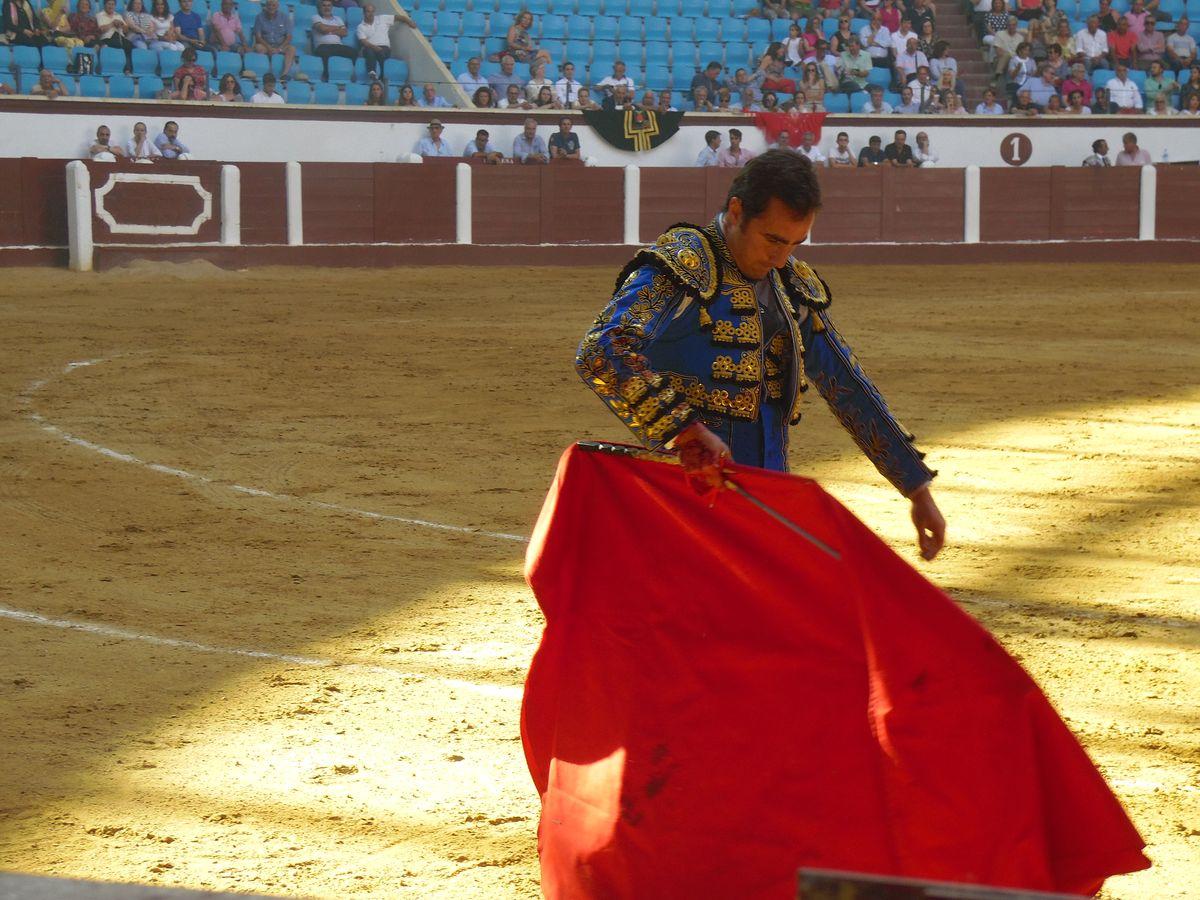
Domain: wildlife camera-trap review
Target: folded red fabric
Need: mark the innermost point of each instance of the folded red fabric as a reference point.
(717, 702)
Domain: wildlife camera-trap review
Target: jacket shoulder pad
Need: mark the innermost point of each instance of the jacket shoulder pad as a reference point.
(805, 286)
(688, 257)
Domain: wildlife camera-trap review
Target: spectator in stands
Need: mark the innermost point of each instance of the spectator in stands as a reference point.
(994, 22)
(989, 106)
(267, 94)
(1053, 106)
(724, 101)
(22, 25)
(49, 86)
(907, 106)
(898, 153)
(140, 148)
(514, 99)
(328, 29)
(102, 150)
(872, 154)
(709, 156)
(783, 141)
(735, 155)
(943, 68)
(375, 43)
(406, 97)
(1023, 105)
(1021, 69)
(1151, 48)
(773, 79)
(812, 85)
(1181, 46)
(190, 26)
(1192, 107)
(710, 79)
(812, 32)
(272, 35)
(376, 94)
(166, 35)
(1005, 44)
(1075, 105)
(518, 43)
(795, 46)
(229, 91)
(923, 154)
(567, 87)
(771, 60)
(1157, 83)
(1136, 17)
(1078, 81)
(139, 25)
(648, 101)
(482, 149)
(433, 144)
(1161, 106)
(811, 150)
(169, 145)
(471, 79)
(1042, 87)
(700, 101)
(901, 37)
(227, 32)
(926, 40)
(876, 105)
(1052, 19)
(607, 85)
(877, 41)
(1099, 157)
(483, 98)
(190, 80)
(908, 60)
(1192, 86)
(841, 156)
(1056, 68)
(564, 143)
(742, 81)
(1029, 9)
(770, 102)
(856, 65)
(1092, 44)
(839, 41)
(1066, 43)
(583, 100)
(1100, 102)
(1132, 154)
(1122, 45)
(113, 28)
(528, 146)
(82, 25)
(430, 98)
(952, 104)
(1123, 91)
(537, 81)
(925, 92)
(619, 99)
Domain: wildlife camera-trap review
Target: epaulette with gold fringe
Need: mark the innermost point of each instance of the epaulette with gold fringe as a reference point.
(804, 285)
(685, 254)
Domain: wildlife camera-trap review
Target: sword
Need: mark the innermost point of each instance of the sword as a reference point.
(671, 459)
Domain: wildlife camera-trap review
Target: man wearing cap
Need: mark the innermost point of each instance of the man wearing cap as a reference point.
(433, 144)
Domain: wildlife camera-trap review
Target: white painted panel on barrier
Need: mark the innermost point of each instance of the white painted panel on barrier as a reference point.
(116, 178)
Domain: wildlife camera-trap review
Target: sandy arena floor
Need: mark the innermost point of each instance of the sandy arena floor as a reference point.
(287, 692)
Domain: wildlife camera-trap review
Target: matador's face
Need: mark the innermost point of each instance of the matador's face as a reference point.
(766, 241)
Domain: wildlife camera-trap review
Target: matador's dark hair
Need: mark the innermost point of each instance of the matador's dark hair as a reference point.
(777, 173)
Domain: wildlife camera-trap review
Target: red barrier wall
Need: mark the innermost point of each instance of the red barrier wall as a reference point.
(264, 203)
(556, 204)
(1060, 204)
(137, 195)
(1178, 207)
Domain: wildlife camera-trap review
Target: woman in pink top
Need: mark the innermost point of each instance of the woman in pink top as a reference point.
(889, 15)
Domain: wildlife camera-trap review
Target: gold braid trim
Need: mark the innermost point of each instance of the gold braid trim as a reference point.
(747, 369)
(746, 333)
(742, 404)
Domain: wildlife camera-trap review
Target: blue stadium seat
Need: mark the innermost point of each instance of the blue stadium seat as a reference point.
(758, 31)
(112, 60)
(493, 45)
(554, 27)
(629, 51)
(458, 6)
(658, 78)
(733, 29)
(121, 87)
(859, 101)
(150, 86)
(682, 75)
(168, 62)
(656, 28)
(714, 30)
(606, 28)
(829, 26)
(1100, 77)
(91, 85)
(228, 63)
(642, 8)
(658, 54)
(890, 98)
(684, 27)
(199, 7)
(837, 103)
(449, 24)
(508, 9)
(260, 65)
(603, 57)
(881, 77)
(395, 71)
(579, 28)
(445, 47)
(537, 7)
(341, 71)
(393, 94)
(356, 94)
(683, 53)
(555, 48)
(593, 7)
(475, 24)
(299, 92)
(8, 79)
(693, 8)
(310, 65)
(426, 20)
(741, 7)
(55, 59)
(628, 27)
(710, 51)
(738, 55)
(305, 12)
(857, 25)
(145, 63)
(248, 88)
(5, 57)
(579, 52)
(325, 94)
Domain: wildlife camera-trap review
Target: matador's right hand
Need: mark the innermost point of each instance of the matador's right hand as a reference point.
(702, 454)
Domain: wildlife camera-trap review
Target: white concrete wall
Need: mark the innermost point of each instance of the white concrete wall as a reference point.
(278, 140)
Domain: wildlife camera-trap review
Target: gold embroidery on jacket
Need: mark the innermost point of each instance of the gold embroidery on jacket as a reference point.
(745, 333)
(747, 369)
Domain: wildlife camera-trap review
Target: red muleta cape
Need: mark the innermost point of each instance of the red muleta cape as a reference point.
(716, 703)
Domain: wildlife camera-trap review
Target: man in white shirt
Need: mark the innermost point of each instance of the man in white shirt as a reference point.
(432, 144)
(608, 85)
(1092, 44)
(876, 39)
(925, 92)
(807, 148)
(841, 156)
(1181, 46)
(567, 88)
(908, 106)
(1132, 154)
(373, 38)
(901, 38)
(327, 33)
(471, 79)
(431, 99)
(709, 156)
(908, 60)
(877, 106)
(1123, 91)
(267, 94)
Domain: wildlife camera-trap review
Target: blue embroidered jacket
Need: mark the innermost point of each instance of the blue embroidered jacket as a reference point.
(682, 339)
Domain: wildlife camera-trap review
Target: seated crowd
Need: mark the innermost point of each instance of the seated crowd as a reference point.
(528, 147)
